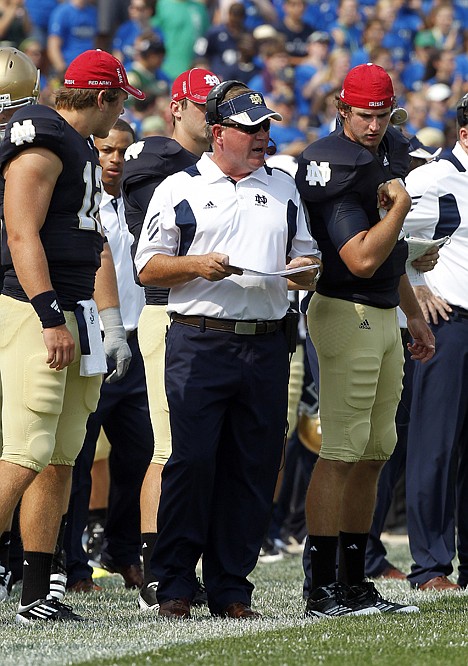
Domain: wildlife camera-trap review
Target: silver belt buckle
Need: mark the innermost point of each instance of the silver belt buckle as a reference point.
(245, 327)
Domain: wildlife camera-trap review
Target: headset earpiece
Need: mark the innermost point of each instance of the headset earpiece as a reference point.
(462, 111)
(215, 97)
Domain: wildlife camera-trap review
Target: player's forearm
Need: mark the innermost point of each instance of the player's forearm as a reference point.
(30, 264)
(106, 292)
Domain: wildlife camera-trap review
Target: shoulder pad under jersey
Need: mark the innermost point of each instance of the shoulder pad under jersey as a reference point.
(154, 157)
(33, 126)
(332, 166)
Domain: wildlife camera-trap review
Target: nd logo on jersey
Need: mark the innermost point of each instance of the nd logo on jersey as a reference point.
(22, 132)
(134, 150)
(318, 174)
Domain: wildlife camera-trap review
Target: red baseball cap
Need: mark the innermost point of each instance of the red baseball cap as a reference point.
(194, 84)
(99, 69)
(368, 87)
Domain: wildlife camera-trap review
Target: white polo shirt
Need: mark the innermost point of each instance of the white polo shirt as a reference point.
(439, 193)
(131, 296)
(257, 222)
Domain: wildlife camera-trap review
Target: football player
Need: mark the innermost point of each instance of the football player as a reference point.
(357, 206)
(51, 357)
(19, 86)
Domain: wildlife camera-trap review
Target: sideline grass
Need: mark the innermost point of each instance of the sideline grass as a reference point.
(122, 636)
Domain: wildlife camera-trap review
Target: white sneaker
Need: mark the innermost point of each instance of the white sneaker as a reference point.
(269, 552)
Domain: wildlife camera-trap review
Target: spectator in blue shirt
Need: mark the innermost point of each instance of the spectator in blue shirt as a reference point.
(139, 13)
(259, 12)
(347, 29)
(397, 36)
(39, 12)
(275, 67)
(417, 106)
(318, 49)
(286, 135)
(296, 30)
(245, 67)
(414, 72)
(220, 46)
(440, 68)
(72, 30)
(372, 36)
(321, 14)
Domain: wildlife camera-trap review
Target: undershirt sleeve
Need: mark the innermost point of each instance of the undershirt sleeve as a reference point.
(344, 218)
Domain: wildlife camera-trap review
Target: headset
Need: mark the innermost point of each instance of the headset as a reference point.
(462, 111)
(215, 97)
(398, 116)
(272, 147)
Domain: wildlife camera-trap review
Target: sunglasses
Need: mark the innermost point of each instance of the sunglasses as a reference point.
(250, 129)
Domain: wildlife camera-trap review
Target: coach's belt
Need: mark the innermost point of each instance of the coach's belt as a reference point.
(229, 325)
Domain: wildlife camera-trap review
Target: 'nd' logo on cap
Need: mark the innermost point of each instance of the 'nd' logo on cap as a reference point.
(256, 99)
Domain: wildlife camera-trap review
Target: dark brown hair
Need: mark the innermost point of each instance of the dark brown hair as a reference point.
(83, 98)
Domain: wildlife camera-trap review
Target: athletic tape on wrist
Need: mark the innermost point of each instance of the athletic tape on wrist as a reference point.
(48, 309)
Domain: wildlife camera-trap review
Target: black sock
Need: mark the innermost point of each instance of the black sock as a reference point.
(352, 560)
(5, 539)
(323, 559)
(36, 576)
(148, 542)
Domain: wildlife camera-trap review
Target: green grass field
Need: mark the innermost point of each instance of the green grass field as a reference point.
(121, 635)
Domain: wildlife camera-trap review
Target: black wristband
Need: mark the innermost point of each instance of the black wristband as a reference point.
(48, 309)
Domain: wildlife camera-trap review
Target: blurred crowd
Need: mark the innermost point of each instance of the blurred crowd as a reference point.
(296, 52)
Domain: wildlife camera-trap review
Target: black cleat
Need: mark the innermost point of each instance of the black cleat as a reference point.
(332, 601)
(46, 610)
(367, 593)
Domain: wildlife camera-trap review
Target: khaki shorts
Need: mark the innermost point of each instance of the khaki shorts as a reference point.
(361, 369)
(44, 411)
(152, 327)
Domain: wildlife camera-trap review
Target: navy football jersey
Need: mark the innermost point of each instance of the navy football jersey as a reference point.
(338, 180)
(71, 234)
(147, 163)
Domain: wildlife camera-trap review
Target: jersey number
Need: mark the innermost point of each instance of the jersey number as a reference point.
(88, 215)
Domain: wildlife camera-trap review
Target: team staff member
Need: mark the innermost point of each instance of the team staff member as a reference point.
(437, 493)
(353, 324)
(226, 352)
(122, 409)
(50, 175)
(147, 164)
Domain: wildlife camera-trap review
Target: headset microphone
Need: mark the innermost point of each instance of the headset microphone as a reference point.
(271, 150)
